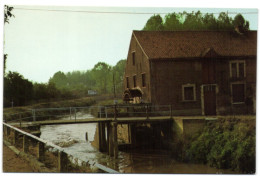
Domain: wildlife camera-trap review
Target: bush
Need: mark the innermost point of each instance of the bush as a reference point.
(228, 144)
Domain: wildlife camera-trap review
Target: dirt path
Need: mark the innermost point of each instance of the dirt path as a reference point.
(13, 163)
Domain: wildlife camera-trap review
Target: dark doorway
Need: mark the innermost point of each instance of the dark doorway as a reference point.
(209, 92)
(209, 87)
(209, 71)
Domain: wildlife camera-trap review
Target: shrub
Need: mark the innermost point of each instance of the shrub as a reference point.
(227, 144)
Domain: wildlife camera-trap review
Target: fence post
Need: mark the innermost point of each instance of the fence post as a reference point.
(115, 112)
(4, 130)
(62, 162)
(147, 115)
(41, 151)
(75, 113)
(170, 111)
(33, 114)
(25, 144)
(115, 140)
(99, 110)
(110, 139)
(15, 137)
(7, 131)
(86, 136)
(106, 111)
(20, 120)
(70, 113)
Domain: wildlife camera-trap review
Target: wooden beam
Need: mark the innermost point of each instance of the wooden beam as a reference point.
(25, 144)
(62, 162)
(41, 151)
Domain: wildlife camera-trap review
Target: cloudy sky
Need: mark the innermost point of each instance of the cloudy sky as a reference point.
(42, 40)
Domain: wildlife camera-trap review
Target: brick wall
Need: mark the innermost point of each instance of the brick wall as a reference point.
(140, 67)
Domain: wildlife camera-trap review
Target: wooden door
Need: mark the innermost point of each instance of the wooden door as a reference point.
(209, 71)
(209, 85)
(209, 92)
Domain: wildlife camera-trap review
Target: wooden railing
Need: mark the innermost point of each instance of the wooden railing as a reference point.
(63, 156)
(120, 110)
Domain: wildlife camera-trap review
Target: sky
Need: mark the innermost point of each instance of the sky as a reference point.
(42, 40)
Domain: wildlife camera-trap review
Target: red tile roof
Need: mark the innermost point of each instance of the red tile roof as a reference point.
(186, 44)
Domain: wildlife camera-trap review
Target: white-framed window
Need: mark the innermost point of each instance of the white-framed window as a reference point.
(188, 92)
(238, 91)
(237, 69)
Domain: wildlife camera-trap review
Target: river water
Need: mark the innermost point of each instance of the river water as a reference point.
(72, 138)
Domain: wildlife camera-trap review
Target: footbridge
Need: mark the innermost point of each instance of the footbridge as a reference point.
(107, 117)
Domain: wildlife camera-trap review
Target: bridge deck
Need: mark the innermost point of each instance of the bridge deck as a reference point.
(121, 120)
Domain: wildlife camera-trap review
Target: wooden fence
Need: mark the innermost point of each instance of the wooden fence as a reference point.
(63, 156)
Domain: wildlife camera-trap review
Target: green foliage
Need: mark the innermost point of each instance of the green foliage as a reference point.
(5, 58)
(196, 21)
(16, 89)
(100, 79)
(59, 79)
(8, 13)
(241, 23)
(103, 76)
(173, 22)
(119, 70)
(226, 144)
(74, 84)
(155, 23)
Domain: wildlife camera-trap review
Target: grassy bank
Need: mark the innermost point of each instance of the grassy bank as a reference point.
(228, 143)
(25, 111)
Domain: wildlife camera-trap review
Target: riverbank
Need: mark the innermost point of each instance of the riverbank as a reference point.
(13, 163)
(227, 143)
(26, 111)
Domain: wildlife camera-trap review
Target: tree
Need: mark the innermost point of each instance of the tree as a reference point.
(8, 13)
(196, 21)
(209, 22)
(40, 91)
(59, 79)
(77, 83)
(53, 92)
(240, 23)
(5, 57)
(225, 22)
(17, 89)
(103, 76)
(173, 22)
(118, 71)
(155, 23)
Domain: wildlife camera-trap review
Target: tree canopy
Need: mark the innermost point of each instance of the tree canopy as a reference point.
(8, 13)
(99, 78)
(17, 89)
(20, 91)
(196, 21)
